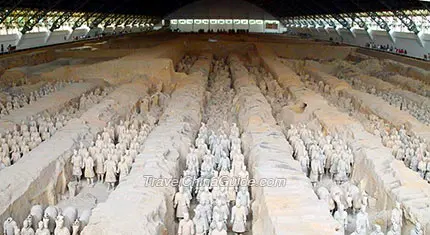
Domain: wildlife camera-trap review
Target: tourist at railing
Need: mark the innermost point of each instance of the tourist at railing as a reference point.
(388, 48)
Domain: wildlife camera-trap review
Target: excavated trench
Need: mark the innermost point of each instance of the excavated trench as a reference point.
(81, 197)
(234, 90)
(218, 120)
(310, 136)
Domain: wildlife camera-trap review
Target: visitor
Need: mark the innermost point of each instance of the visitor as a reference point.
(2, 49)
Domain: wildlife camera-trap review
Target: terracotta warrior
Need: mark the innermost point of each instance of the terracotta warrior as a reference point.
(60, 229)
(186, 226)
(238, 218)
(42, 230)
(78, 164)
(110, 168)
(89, 170)
(9, 226)
(417, 230)
(100, 170)
(200, 223)
(181, 203)
(123, 168)
(26, 229)
(397, 216)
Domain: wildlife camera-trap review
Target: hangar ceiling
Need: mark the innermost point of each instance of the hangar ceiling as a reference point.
(160, 8)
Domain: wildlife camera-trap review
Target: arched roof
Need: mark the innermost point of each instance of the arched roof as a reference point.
(221, 9)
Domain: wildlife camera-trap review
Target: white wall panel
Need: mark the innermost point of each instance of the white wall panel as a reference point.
(381, 37)
(59, 36)
(95, 31)
(256, 26)
(361, 37)
(425, 38)
(346, 36)
(333, 34)
(322, 34)
(35, 39)
(409, 41)
(79, 32)
(10, 39)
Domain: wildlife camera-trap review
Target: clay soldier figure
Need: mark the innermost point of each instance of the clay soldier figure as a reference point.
(123, 168)
(316, 170)
(75, 227)
(89, 170)
(100, 170)
(72, 186)
(219, 213)
(394, 230)
(42, 230)
(362, 220)
(397, 216)
(238, 218)
(181, 203)
(341, 216)
(186, 226)
(417, 230)
(82, 102)
(234, 130)
(110, 168)
(26, 229)
(200, 223)
(220, 229)
(78, 164)
(9, 226)
(59, 228)
(377, 231)
(244, 198)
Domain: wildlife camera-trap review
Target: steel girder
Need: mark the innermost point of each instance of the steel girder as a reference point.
(35, 19)
(111, 18)
(7, 11)
(357, 19)
(84, 18)
(342, 21)
(376, 18)
(407, 21)
(99, 19)
(310, 22)
(61, 20)
(65, 17)
(121, 19)
(318, 21)
(379, 21)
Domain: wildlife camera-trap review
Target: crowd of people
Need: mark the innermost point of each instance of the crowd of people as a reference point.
(229, 31)
(389, 48)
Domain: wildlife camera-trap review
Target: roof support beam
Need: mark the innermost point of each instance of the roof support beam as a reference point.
(357, 19)
(381, 23)
(342, 21)
(33, 20)
(7, 11)
(36, 18)
(99, 19)
(84, 18)
(65, 17)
